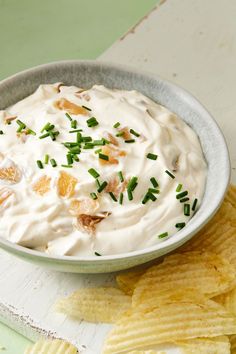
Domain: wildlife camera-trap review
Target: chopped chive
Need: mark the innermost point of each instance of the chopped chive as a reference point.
(75, 150)
(165, 234)
(181, 195)
(51, 127)
(151, 156)
(97, 254)
(1, 132)
(44, 136)
(194, 204)
(53, 162)
(75, 158)
(92, 122)
(52, 135)
(98, 151)
(66, 166)
(68, 116)
(152, 197)
(120, 175)
(102, 186)
(88, 146)
(120, 134)
(105, 141)
(130, 194)
(170, 174)
(121, 198)
(179, 187)
(70, 144)
(132, 183)
(153, 190)
(113, 197)
(30, 131)
(129, 141)
(86, 139)
(78, 137)
(46, 159)
(116, 125)
(184, 200)
(88, 109)
(73, 124)
(39, 163)
(98, 142)
(180, 225)
(76, 131)
(45, 127)
(187, 209)
(154, 182)
(93, 173)
(103, 157)
(93, 196)
(134, 133)
(21, 125)
(98, 182)
(69, 158)
(146, 198)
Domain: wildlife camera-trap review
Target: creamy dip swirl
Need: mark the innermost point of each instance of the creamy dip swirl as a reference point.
(47, 219)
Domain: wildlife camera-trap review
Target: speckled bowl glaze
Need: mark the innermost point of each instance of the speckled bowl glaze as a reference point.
(87, 73)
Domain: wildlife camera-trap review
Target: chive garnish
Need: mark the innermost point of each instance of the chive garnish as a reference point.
(88, 109)
(130, 194)
(98, 142)
(69, 117)
(97, 254)
(187, 209)
(39, 163)
(103, 157)
(180, 225)
(120, 175)
(44, 136)
(93, 196)
(98, 182)
(102, 186)
(152, 156)
(92, 122)
(194, 204)
(132, 131)
(88, 146)
(154, 182)
(152, 196)
(130, 141)
(169, 174)
(21, 125)
(181, 195)
(113, 197)
(51, 127)
(93, 173)
(132, 184)
(1, 132)
(120, 134)
(30, 131)
(66, 166)
(121, 198)
(70, 144)
(86, 139)
(98, 151)
(184, 200)
(146, 198)
(69, 158)
(45, 127)
(75, 150)
(46, 159)
(153, 190)
(165, 234)
(116, 125)
(73, 124)
(75, 158)
(105, 141)
(179, 187)
(53, 162)
(76, 131)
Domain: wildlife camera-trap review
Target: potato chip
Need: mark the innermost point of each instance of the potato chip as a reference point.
(228, 300)
(95, 304)
(205, 272)
(233, 343)
(217, 345)
(127, 281)
(70, 107)
(66, 184)
(176, 321)
(231, 195)
(10, 174)
(51, 346)
(42, 185)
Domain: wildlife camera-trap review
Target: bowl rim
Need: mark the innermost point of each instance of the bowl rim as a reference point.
(181, 236)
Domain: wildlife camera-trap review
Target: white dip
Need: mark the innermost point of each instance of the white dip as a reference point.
(51, 209)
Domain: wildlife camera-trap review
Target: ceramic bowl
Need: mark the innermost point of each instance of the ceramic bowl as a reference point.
(87, 73)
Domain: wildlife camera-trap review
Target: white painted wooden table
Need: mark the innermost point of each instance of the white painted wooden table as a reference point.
(190, 42)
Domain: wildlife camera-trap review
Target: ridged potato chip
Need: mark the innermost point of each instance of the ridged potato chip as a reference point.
(127, 281)
(217, 345)
(42, 185)
(206, 272)
(233, 343)
(228, 300)
(95, 304)
(66, 185)
(176, 321)
(51, 346)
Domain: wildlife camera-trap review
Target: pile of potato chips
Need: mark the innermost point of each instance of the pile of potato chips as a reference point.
(187, 301)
